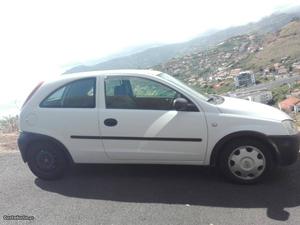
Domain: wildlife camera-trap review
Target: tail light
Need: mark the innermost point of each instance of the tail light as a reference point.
(32, 93)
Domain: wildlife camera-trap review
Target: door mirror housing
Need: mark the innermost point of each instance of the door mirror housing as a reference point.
(180, 104)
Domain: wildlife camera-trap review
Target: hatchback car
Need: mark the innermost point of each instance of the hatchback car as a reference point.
(149, 117)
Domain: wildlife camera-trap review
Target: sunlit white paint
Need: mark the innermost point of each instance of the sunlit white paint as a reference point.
(231, 116)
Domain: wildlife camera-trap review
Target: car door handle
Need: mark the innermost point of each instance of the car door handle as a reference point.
(110, 122)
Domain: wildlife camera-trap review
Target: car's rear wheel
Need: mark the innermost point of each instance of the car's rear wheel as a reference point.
(46, 160)
(246, 161)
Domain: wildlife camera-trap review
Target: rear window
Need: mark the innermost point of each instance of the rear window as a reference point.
(77, 94)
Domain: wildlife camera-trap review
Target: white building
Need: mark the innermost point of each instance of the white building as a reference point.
(262, 96)
(244, 79)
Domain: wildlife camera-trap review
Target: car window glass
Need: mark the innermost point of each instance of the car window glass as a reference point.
(78, 94)
(138, 93)
(148, 88)
(110, 85)
(55, 99)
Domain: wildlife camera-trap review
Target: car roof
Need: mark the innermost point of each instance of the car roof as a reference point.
(113, 72)
(73, 76)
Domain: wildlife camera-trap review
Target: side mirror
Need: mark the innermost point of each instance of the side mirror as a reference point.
(180, 104)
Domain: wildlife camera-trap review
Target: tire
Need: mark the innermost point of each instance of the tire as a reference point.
(245, 161)
(46, 161)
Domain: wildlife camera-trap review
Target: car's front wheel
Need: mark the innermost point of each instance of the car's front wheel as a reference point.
(46, 160)
(246, 161)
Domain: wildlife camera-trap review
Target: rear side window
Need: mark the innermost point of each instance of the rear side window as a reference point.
(77, 94)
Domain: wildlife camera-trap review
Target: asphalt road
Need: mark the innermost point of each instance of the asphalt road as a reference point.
(136, 194)
(271, 84)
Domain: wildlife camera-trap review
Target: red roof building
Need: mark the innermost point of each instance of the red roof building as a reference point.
(288, 104)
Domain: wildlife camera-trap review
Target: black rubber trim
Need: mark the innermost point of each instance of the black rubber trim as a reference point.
(288, 147)
(85, 137)
(136, 138)
(219, 146)
(27, 138)
(284, 147)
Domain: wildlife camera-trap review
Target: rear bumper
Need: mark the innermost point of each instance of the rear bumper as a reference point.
(23, 142)
(287, 147)
(27, 138)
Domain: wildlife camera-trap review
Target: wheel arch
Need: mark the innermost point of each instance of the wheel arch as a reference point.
(243, 134)
(27, 139)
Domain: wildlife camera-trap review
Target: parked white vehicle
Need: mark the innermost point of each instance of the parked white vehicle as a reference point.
(145, 116)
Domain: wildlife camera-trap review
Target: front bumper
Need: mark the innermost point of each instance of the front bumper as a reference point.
(287, 147)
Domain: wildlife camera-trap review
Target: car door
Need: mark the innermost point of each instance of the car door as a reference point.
(70, 115)
(138, 122)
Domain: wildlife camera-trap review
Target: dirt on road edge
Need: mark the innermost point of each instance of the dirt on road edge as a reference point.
(8, 142)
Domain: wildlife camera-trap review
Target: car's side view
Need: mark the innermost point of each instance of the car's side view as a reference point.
(144, 116)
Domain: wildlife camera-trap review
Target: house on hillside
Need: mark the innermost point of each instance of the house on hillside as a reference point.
(235, 72)
(289, 104)
(244, 79)
(261, 96)
(295, 93)
(297, 107)
(296, 67)
(282, 70)
(276, 66)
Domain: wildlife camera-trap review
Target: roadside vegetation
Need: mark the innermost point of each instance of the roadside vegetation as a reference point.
(9, 124)
(280, 93)
(8, 133)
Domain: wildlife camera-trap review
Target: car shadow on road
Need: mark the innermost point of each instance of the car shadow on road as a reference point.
(179, 185)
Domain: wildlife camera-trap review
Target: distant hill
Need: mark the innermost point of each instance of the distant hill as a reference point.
(253, 51)
(284, 44)
(144, 59)
(157, 55)
(224, 56)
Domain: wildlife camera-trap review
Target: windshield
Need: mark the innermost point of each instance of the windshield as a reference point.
(184, 86)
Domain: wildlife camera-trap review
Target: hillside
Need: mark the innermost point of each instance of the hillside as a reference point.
(145, 59)
(283, 44)
(153, 56)
(225, 56)
(275, 52)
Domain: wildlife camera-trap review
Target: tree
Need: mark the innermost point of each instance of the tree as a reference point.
(9, 124)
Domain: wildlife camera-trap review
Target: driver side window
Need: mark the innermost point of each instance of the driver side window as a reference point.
(138, 93)
(144, 88)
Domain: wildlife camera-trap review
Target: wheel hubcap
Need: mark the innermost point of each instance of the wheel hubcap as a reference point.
(45, 160)
(247, 162)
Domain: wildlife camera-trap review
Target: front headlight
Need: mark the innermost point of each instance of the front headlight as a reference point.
(290, 126)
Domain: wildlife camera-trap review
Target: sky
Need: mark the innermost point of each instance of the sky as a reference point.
(40, 39)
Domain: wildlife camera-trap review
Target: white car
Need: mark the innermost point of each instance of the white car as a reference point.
(149, 117)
